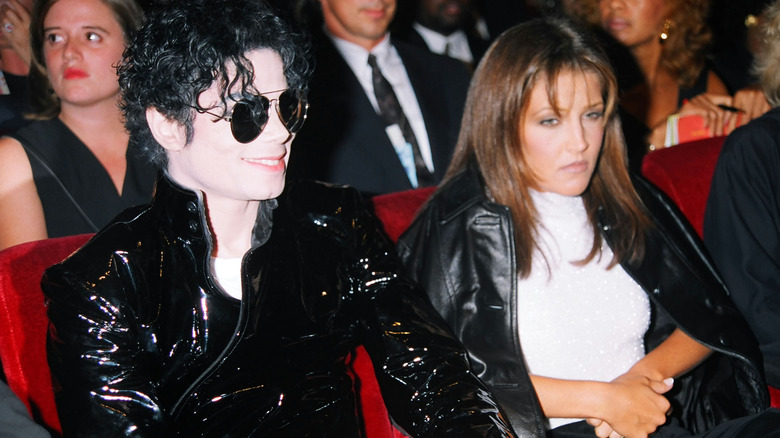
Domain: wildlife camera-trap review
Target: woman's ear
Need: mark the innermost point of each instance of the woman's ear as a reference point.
(169, 133)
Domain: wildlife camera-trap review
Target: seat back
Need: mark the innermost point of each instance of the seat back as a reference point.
(23, 322)
(397, 210)
(684, 172)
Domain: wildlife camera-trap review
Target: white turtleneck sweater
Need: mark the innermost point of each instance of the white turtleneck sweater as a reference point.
(577, 322)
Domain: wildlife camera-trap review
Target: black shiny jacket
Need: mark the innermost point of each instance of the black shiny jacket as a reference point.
(142, 341)
(462, 251)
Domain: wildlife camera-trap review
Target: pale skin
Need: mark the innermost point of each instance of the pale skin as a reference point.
(562, 148)
(233, 177)
(81, 36)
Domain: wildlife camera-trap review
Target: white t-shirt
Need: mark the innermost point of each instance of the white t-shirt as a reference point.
(227, 273)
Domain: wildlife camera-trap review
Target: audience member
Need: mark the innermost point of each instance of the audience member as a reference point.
(70, 172)
(742, 220)
(15, 22)
(15, 421)
(229, 305)
(564, 280)
(447, 27)
(384, 114)
(666, 72)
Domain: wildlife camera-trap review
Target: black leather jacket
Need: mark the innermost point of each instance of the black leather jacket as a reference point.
(461, 250)
(144, 343)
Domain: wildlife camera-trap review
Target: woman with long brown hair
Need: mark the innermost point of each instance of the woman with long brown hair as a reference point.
(581, 296)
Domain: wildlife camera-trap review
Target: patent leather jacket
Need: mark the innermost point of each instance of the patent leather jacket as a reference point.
(143, 342)
(461, 250)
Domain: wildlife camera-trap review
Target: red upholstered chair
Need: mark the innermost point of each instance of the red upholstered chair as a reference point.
(23, 321)
(397, 210)
(684, 172)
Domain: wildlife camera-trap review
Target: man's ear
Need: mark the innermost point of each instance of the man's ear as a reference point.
(169, 133)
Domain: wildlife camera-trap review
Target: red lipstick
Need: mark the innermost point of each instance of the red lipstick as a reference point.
(74, 73)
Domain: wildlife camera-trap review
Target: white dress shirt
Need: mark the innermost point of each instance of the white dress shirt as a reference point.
(455, 45)
(393, 69)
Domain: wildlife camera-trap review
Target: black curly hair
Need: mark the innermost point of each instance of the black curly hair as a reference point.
(185, 46)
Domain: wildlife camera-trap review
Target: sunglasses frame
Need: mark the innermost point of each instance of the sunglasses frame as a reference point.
(241, 137)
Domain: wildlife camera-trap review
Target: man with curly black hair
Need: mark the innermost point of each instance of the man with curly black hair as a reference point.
(229, 305)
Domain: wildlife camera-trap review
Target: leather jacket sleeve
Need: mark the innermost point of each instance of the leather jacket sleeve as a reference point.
(435, 251)
(422, 369)
(96, 354)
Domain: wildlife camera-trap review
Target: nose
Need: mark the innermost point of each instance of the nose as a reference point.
(71, 50)
(275, 131)
(612, 4)
(578, 140)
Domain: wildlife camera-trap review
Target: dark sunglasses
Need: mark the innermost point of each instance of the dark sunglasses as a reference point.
(249, 117)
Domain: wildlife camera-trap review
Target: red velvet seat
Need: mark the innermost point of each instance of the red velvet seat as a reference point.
(23, 321)
(684, 172)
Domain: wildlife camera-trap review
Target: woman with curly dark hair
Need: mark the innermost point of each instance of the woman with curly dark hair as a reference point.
(665, 71)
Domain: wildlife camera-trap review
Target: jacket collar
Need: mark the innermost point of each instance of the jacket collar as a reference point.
(463, 191)
(182, 212)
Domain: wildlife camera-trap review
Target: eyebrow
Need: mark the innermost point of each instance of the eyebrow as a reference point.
(89, 27)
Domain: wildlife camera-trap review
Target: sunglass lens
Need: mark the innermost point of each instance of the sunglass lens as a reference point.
(291, 110)
(247, 124)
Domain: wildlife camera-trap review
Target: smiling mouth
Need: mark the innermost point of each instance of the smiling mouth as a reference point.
(374, 13)
(268, 162)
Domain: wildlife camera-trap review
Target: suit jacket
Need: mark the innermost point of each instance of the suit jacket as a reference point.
(477, 45)
(344, 141)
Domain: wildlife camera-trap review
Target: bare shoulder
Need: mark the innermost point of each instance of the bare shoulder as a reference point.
(21, 212)
(14, 164)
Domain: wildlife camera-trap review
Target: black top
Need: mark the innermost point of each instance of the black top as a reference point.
(76, 191)
(635, 131)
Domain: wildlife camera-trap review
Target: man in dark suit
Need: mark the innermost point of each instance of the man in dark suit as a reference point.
(350, 136)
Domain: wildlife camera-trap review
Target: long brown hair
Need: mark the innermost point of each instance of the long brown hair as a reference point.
(530, 54)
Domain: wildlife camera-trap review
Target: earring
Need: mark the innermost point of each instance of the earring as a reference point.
(665, 32)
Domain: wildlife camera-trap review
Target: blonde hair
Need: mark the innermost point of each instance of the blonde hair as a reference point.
(767, 64)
